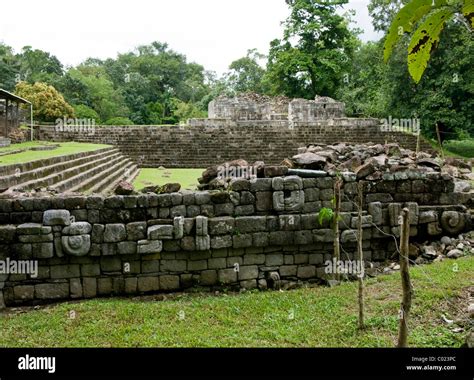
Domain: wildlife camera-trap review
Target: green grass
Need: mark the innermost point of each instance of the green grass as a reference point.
(30, 155)
(186, 177)
(323, 317)
(462, 148)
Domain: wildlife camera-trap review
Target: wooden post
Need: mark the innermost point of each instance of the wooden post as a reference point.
(439, 140)
(17, 116)
(406, 283)
(337, 207)
(361, 257)
(418, 138)
(6, 117)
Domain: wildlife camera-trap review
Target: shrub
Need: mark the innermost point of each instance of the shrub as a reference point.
(119, 121)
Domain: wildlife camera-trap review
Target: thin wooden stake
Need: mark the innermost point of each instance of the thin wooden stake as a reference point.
(361, 258)
(439, 140)
(406, 283)
(337, 248)
(418, 138)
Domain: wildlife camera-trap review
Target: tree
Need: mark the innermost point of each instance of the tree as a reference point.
(246, 74)
(48, 103)
(119, 121)
(383, 12)
(315, 51)
(105, 99)
(39, 66)
(365, 89)
(445, 93)
(432, 16)
(9, 68)
(74, 90)
(151, 77)
(184, 111)
(84, 112)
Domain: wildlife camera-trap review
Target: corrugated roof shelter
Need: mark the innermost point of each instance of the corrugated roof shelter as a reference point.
(10, 112)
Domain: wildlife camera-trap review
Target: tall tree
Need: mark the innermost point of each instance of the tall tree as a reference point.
(364, 87)
(383, 12)
(315, 51)
(9, 68)
(39, 66)
(246, 73)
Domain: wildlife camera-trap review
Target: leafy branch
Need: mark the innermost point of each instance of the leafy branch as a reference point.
(432, 16)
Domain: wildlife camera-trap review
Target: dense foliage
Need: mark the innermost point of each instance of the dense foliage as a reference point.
(48, 103)
(319, 54)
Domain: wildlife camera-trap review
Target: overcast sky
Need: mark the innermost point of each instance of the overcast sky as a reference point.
(210, 32)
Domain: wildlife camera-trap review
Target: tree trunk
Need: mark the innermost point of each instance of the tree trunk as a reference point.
(406, 283)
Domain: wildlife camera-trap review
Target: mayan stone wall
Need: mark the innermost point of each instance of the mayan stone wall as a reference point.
(258, 107)
(260, 233)
(206, 142)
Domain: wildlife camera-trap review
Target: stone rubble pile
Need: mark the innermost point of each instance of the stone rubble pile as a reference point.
(365, 161)
(371, 161)
(447, 247)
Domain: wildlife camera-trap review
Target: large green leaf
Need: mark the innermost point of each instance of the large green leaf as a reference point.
(404, 22)
(468, 11)
(424, 40)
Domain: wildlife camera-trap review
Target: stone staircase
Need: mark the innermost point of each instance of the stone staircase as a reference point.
(91, 172)
(4, 142)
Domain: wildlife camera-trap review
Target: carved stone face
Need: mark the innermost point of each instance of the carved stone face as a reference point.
(289, 194)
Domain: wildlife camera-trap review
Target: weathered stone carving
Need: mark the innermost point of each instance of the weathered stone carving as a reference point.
(453, 222)
(259, 107)
(201, 226)
(203, 243)
(77, 245)
(434, 229)
(161, 232)
(147, 247)
(288, 194)
(394, 211)
(56, 218)
(178, 225)
(375, 209)
(203, 240)
(78, 228)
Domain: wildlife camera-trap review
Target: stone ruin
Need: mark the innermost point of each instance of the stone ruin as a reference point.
(252, 107)
(268, 226)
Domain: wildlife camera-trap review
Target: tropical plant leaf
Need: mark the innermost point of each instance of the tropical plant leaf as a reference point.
(424, 41)
(468, 11)
(404, 22)
(325, 214)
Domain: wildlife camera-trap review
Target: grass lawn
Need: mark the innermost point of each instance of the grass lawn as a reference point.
(30, 155)
(462, 148)
(186, 177)
(307, 317)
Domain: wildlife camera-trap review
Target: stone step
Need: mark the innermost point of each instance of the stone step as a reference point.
(94, 173)
(63, 176)
(133, 174)
(4, 142)
(128, 177)
(46, 171)
(6, 170)
(108, 184)
(97, 177)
